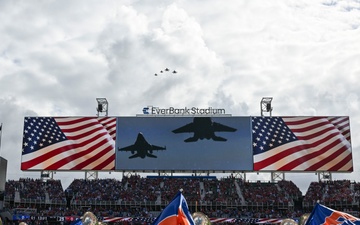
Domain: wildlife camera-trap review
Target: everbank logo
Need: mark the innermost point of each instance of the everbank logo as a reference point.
(152, 110)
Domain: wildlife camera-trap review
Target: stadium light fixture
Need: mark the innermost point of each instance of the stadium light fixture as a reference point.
(102, 106)
(265, 105)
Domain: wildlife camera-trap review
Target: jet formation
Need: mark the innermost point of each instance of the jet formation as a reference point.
(164, 71)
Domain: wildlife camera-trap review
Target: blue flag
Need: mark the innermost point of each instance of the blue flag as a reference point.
(177, 212)
(322, 215)
(77, 222)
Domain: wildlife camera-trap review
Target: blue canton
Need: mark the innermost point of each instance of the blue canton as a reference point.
(269, 133)
(40, 132)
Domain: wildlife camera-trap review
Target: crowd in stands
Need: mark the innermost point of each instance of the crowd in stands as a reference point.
(172, 185)
(263, 193)
(130, 196)
(223, 190)
(137, 188)
(339, 192)
(96, 190)
(357, 191)
(34, 189)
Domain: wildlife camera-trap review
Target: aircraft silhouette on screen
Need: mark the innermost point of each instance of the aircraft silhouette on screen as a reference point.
(142, 148)
(204, 127)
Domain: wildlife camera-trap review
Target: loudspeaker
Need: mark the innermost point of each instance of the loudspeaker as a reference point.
(268, 107)
(100, 108)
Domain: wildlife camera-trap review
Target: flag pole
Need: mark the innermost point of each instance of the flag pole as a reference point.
(0, 137)
(0, 143)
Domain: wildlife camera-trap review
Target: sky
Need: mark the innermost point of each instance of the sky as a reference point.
(57, 57)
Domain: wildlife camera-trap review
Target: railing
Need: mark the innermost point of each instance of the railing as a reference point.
(192, 204)
(332, 204)
(150, 204)
(35, 201)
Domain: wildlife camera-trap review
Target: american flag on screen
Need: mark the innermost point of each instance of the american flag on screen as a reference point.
(302, 144)
(69, 143)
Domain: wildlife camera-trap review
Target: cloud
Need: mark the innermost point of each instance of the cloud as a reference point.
(56, 57)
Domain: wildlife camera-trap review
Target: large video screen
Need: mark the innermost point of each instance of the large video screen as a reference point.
(302, 144)
(184, 143)
(69, 143)
(226, 144)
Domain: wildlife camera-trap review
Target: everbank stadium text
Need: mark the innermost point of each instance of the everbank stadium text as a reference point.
(187, 111)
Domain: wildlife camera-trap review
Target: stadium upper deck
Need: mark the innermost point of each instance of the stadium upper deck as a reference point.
(199, 192)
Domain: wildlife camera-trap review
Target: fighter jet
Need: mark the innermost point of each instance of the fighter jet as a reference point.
(204, 127)
(142, 148)
(166, 69)
(174, 71)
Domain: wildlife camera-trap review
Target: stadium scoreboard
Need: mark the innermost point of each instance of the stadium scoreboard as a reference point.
(187, 143)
